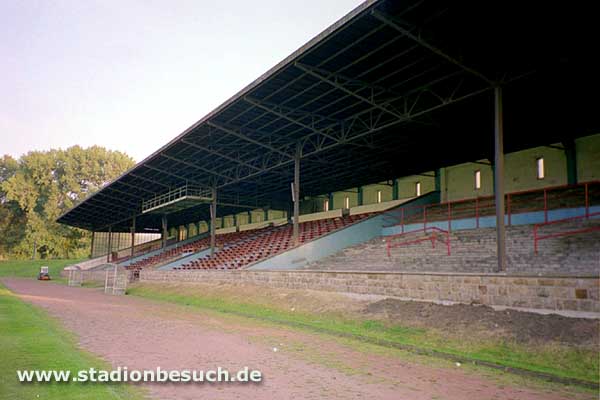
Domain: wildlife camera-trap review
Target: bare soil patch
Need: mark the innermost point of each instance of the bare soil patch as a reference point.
(460, 320)
(524, 327)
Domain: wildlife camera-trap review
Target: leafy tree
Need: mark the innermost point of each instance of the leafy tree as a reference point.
(36, 189)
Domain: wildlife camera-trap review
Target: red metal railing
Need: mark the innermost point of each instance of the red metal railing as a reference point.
(563, 196)
(433, 237)
(537, 237)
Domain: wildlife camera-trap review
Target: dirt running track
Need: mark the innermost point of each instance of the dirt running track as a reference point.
(142, 334)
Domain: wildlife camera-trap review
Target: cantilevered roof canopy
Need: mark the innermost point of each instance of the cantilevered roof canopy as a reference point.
(393, 88)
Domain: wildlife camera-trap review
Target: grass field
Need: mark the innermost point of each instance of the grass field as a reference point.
(29, 339)
(563, 361)
(30, 269)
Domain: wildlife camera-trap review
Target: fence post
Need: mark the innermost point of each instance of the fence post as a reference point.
(425, 218)
(448, 242)
(449, 217)
(545, 205)
(387, 241)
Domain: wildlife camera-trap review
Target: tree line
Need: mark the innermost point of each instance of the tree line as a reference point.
(41, 185)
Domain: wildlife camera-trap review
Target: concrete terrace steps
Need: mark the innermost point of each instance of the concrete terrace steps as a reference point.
(475, 251)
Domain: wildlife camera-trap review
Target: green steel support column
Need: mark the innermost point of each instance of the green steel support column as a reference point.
(395, 194)
(499, 178)
(296, 226)
(571, 153)
(235, 221)
(213, 221)
(92, 245)
(109, 244)
(360, 196)
(331, 201)
(132, 235)
(165, 233)
(187, 231)
(266, 211)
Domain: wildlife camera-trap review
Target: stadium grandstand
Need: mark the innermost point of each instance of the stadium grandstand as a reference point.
(408, 136)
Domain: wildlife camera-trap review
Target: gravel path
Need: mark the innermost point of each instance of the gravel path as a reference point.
(142, 334)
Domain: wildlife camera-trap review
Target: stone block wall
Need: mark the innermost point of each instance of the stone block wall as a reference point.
(549, 293)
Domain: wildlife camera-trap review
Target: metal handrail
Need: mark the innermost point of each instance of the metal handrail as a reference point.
(475, 204)
(537, 238)
(432, 237)
(175, 194)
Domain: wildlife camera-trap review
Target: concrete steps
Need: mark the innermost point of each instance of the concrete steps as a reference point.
(475, 251)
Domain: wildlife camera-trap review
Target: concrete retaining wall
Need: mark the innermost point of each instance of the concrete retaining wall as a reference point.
(549, 293)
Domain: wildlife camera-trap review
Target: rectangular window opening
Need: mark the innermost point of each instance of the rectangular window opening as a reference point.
(326, 205)
(541, 173)
(379, 196)
(477, 180)
(347, 202)
(418, 189)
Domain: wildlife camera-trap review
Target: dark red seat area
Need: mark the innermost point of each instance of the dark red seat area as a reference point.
(253, 246)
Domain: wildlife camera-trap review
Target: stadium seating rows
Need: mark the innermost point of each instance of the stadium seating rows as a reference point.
(268, 242)
(174, 253)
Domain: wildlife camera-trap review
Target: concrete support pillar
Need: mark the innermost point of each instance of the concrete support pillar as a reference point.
(571, 154)
(395, 191)
(109, 247)
(213, 221)
(165, 233)
(296, 196)
(499, 178)
(132, 235)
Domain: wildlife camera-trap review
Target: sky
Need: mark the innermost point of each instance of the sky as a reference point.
(131, 75)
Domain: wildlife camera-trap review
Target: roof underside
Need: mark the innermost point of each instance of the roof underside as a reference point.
(392, 89)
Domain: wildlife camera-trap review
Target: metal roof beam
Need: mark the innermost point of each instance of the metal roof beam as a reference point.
(218, 154)
(327, 92)
(392, 22)
(239, 134)
(135, 187)
(329, 58)
(118, 199)
(341, 83)
(183, 178)
(192, 165)
(258, 161)
(124, 193)
(110, 210)
(286, 114)
(149, 180)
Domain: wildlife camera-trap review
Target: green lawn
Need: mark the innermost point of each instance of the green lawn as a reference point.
(29, 339)
(30, 269)
(558, 360)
